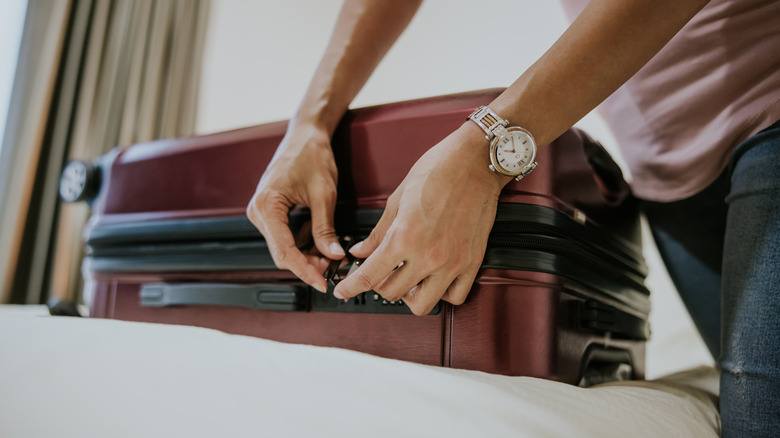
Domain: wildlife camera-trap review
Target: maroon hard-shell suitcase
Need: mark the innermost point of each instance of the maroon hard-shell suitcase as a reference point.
(561, 293)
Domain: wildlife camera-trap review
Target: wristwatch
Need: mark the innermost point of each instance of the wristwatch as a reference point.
(512, 148)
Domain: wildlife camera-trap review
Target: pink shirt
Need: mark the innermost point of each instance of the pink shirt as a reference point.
(715, 84)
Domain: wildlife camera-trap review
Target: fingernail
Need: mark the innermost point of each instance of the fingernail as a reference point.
(320, 287)
(335, 248)
(356, 247)
(338, 295)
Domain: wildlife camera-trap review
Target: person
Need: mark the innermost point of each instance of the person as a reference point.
(691, 89)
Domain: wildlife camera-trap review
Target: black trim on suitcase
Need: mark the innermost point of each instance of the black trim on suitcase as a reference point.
(524, 237)
(278, 297)
(512, 221)
(267, 296)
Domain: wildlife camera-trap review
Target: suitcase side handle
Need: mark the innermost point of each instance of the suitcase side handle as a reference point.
(253, 296)
(606, 172)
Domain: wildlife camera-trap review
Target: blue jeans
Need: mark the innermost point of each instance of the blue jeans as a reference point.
(722, 250)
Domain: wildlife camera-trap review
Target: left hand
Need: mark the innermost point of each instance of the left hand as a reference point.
(431, 239)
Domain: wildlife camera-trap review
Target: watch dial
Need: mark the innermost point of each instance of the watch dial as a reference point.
(515, 151)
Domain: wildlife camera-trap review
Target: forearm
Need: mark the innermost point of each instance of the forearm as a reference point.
(606, 45)
(365, 31)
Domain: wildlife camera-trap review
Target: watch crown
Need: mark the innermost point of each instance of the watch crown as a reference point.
(492, 168)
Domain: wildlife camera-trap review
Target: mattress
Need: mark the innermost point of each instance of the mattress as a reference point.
(77, 377)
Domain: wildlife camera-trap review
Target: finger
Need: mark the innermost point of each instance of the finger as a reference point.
(321, 263)
(371, 243)
(459, 289)
(399, 282)
(323, 204)
(423, 298)
(286, 255)
(372, 271)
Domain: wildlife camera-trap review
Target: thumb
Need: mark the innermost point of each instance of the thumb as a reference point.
(322, 229)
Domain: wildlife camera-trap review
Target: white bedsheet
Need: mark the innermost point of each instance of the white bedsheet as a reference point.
(72, 377)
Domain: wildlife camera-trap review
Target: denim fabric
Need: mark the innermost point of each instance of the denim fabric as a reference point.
(689, 235)
(727, 238)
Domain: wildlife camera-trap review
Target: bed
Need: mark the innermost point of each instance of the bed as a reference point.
(80, 377)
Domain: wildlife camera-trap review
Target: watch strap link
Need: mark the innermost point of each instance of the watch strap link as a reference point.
(486, 119)
(526, 171)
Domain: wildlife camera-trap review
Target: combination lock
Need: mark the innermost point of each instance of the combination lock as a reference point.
(366, 302)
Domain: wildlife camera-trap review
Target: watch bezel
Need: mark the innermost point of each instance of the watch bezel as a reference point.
(494, 158)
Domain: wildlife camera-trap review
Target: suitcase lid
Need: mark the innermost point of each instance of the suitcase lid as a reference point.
(216, 175)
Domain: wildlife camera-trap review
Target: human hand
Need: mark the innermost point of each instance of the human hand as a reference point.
(302, 172)
(431, 239)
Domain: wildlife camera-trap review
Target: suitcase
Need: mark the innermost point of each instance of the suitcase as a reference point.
(560, 294)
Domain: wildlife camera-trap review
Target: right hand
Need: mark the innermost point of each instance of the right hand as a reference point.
(302, 172)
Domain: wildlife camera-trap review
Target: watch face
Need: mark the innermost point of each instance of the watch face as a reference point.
(513, 152)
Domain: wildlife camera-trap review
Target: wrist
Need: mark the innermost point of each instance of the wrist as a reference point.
(304, 139)
(312, 121)
(479, 151)
(323, 108)
(512, 149)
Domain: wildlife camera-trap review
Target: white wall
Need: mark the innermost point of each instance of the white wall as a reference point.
(11, 23)
(260, 56)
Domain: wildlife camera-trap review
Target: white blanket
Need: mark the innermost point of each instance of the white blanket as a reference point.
(74, 377)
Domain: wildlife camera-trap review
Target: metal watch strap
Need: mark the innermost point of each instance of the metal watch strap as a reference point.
(486, 119)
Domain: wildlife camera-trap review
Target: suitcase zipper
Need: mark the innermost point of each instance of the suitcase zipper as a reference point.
(544, 238)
